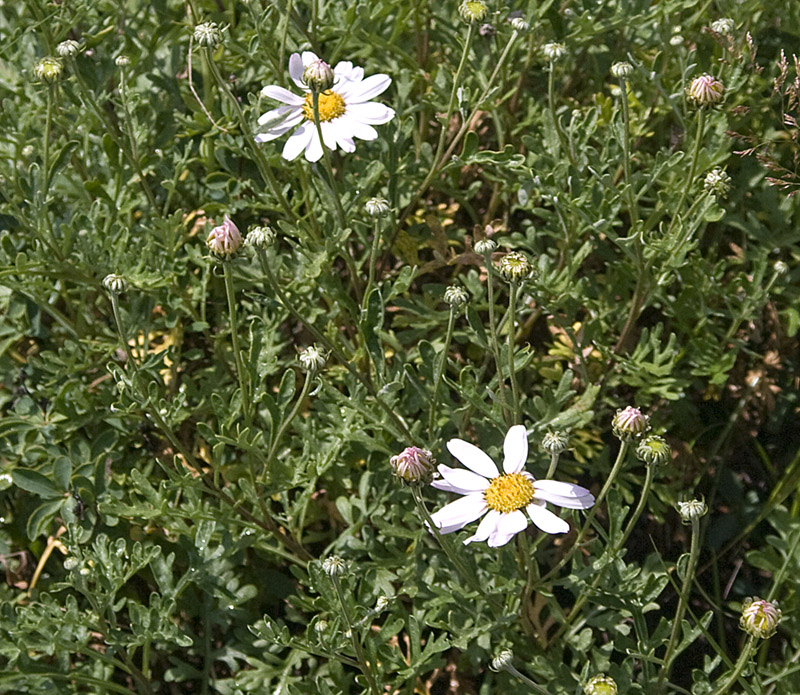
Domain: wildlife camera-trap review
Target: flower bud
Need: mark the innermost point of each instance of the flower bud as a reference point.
(780, 268)
(555, 442)
(68, 48)
(6, 481)
(208, 34)
(515, 267)
(706, 91)
(654, 450)
(629, 423)
(382, 604)
(717, 182)
(473, 10)
(520, 25)
(554, 51)
(723, 25)
(502, 660)
(692, 510)
(676, 40)
(225, 240)
(456, 295)
(115, 283)
(71, 562)
(601, 685)
(318, 76)
(485, 246)
(413, 465)
(261, 237)
(48, 69)
(122, 61)
(312, 358)
(334, 566)
(622, 70)
(377, 207)
(760, 618)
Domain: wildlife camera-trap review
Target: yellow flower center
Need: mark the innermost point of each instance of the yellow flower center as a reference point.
(331, 105)
(507, 493)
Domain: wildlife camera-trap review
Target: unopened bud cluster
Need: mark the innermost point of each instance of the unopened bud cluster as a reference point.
(629, 423)
(760, 618)
(654, 450)
(706, 91)
(717, 182)
(456, 295)
(473, 10)
(318, 76)
(48, 69)
(312, 358)
(515, 267)
(692, 510)
(601, 685)
(413, 465)
(225, 240)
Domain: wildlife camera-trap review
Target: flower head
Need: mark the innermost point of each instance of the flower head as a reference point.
(760, 618)
(208, 34)
(261, 237)
(622, 70)
(502, 498)
(68, 48)
(654, 450)
(502, 660)
(692, 510)
(555, 442)
(456, 295)
(413, 465)
(48, 69)
(629, 423)
(312, 358)
(122, 61)
(601, 685)
(473, 10)
(780, 267)
(723, 25)
(318, 76)
(334, 566)
(377, 207)
(554, 51)
(706, 91)
(515, 267)
(225, 240)
(115, 283)
(520, 24)
(345, 110)
(717, 182)
(485, 246)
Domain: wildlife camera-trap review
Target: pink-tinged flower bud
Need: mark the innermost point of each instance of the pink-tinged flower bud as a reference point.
(760, 618)
(629, 423)
(706, 91)
(601, 685)
(413, 465)
(318, 76)
(224, 241)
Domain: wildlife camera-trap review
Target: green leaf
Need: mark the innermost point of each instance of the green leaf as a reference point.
(32, 481)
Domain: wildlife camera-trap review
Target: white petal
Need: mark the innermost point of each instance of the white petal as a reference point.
(346, 143)
(298, 141)
(464, 480)
(344, 70)
(276, 132)
(365, 132)
(277, 118)
(546, 520)
(314, 147)
(308, 58)
(296, 68)
(329, 134)
(563, 494)
(473, 458)
(371, 112)
(458, 514)
(358, 92)
(508, 526)
(486, 528)
(273, 91)
(515, 449)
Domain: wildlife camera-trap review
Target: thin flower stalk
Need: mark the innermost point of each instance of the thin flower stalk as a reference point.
(361, 657)
(273, 449)
(48, 239)
(511, 334)
(739, 666)
(683, 602)
(326, 158)
(241, 373)
(501, 387)
(698, 141)
(373, 254)
(437, 376)
(551, 103)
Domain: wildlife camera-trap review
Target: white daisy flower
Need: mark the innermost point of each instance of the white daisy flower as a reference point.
(502, 497)
(345, 110)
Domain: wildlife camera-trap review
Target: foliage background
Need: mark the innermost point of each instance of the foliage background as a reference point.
(159, 534)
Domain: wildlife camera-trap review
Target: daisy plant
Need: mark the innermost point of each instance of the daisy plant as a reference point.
(345, 110)
(502, 499)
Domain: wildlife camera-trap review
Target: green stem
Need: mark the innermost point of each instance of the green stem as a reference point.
(357, 647)
(437, 376)
(501, 386)
(739, 667)
(241, 372)
(288, 421)
(376, 239)
(633, 211)
(510, 328)
(683, 600)
(551, 102)
(698, 141)
(47, 239)
(402, 429)
(551, 471)
(261, 160)
(621, 456)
